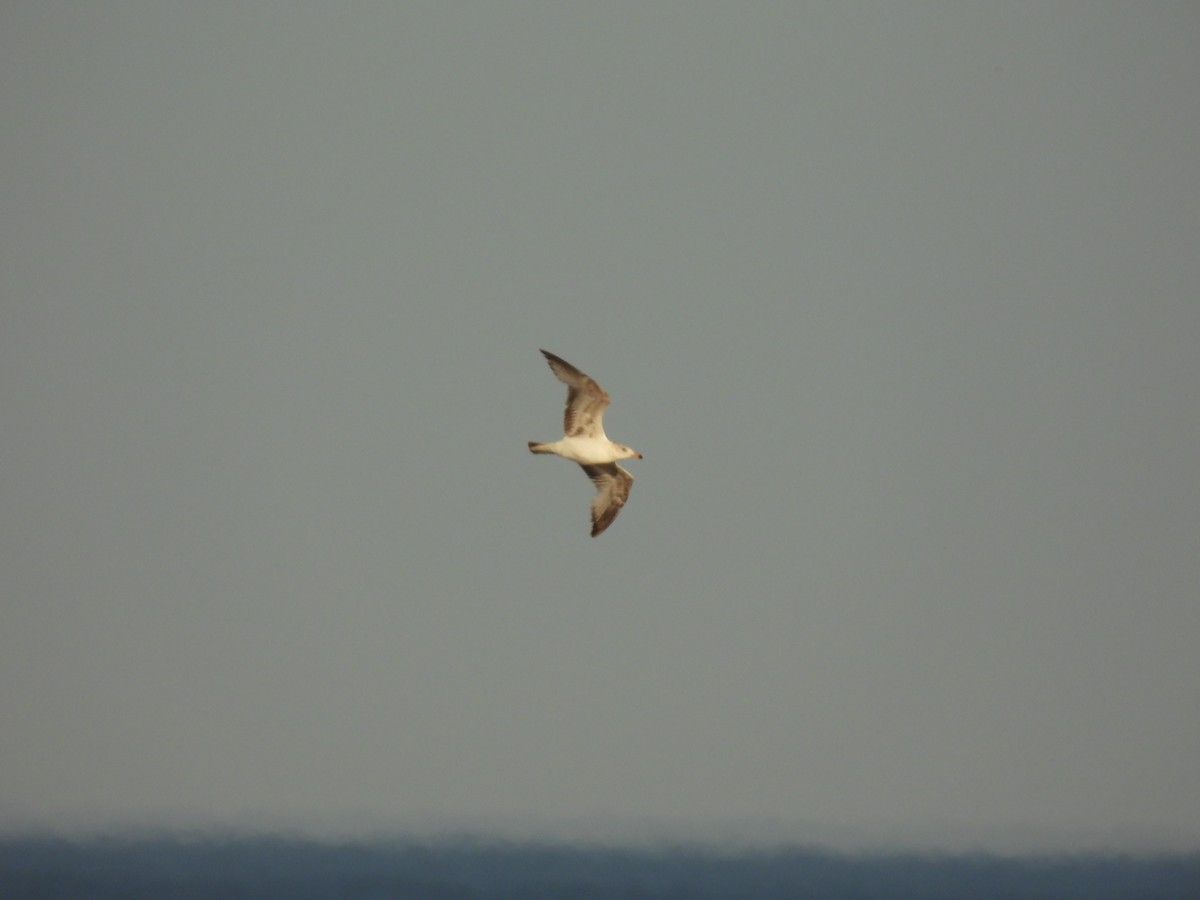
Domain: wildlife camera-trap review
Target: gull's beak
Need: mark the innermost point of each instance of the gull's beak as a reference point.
(639, 456)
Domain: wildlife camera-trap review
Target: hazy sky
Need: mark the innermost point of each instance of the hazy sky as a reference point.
(899, 300)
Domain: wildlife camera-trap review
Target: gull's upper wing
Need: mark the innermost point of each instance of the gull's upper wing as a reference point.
(612, 490)
(586, 400)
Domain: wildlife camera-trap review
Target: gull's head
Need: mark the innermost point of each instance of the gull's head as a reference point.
(629, 453)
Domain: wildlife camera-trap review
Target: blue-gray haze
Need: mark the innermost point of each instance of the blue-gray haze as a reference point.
(900, 301)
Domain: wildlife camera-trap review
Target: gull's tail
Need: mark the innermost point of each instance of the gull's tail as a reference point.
(537, 447)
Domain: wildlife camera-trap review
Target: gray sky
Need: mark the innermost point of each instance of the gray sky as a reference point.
(898, 300)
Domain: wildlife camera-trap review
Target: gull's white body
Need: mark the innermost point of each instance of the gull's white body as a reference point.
(585, 442)
(587, 451)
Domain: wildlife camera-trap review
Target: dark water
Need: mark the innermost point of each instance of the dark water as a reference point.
(285, 869)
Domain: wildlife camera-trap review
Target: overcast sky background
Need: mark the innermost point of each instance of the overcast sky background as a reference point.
(899, 301)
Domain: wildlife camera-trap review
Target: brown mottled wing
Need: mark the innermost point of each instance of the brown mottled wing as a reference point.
(586, 400)
(612, 490)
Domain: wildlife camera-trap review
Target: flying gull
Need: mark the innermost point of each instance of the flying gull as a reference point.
(585, 442)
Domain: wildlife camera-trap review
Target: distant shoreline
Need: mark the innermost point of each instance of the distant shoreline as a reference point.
(177, 866)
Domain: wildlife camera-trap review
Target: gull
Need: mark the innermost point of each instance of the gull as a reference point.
(585, 442)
